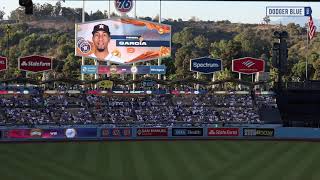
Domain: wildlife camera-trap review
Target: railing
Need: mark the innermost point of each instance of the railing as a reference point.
(314, 85)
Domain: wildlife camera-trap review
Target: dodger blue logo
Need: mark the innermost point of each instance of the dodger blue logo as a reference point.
(83, 45)
(288, 11)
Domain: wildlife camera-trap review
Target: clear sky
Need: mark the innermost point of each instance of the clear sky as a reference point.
(237, 11)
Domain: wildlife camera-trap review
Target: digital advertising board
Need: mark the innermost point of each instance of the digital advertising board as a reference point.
(116, 132)
(223, 131)
(37, 133)
(187, 131)
(126, 69)
(267, 132)
(152, 132)
(88, 69)
(122, 40)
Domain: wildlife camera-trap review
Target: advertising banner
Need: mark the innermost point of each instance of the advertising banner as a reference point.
(205, 65)
(288, 11)
(248, 65)
(35, 63)
(116, 132)
(20, 133)
(187, 131)
(3, 63)
(105, 84)
(88, 69)
(81, 132)
(152, 132)
(3, 92)
(158, 69)
(123, 40)
(269, 132)
(50, 133)
(53, 133)
(123, 69)
(149, 83)
(223, 131)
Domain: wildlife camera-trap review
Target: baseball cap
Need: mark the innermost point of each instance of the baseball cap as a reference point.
(101, 27)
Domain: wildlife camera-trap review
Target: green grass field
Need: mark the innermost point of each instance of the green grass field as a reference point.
(161, 160)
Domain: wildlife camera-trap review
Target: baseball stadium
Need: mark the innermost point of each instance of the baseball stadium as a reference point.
(132, 90)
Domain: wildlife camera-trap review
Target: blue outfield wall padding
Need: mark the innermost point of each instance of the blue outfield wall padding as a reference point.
(141, 133)
(293, 132)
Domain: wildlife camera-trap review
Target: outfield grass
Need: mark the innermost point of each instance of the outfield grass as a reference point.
(161, 160)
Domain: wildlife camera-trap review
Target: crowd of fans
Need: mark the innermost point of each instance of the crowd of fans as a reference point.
(58, 109)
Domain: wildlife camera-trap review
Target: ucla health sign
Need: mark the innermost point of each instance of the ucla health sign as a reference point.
(89, 69)
(205, 65)
(285, 11)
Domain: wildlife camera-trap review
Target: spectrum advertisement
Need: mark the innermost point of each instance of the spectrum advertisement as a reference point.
(205, 65)
(122, 40)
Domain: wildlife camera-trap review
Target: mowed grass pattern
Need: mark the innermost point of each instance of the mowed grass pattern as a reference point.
(161, 160)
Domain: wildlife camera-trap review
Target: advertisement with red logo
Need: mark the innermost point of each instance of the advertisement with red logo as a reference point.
(34, 133)
(35, 63)
(3, 63)
(248, 65)
(152, 132)
(223, 131)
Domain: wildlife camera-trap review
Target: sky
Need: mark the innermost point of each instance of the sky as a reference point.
(234, 11)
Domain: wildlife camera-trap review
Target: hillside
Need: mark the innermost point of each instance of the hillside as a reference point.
(54, 36)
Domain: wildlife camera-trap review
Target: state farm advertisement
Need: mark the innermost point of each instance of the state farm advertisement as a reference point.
(248, 65)
(3, 63)
(35, 63)
(223, 131)
(152, 132)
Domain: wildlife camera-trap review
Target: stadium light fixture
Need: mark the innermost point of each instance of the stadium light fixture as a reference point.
(28, 4)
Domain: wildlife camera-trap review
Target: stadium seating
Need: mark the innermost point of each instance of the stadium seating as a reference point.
(64, 109)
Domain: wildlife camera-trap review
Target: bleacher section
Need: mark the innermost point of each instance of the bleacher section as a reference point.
(64, 109)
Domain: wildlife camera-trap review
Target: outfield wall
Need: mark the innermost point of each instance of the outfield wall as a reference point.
(98, 133)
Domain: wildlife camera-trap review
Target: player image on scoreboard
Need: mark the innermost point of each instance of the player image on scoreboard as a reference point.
(123, 40)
